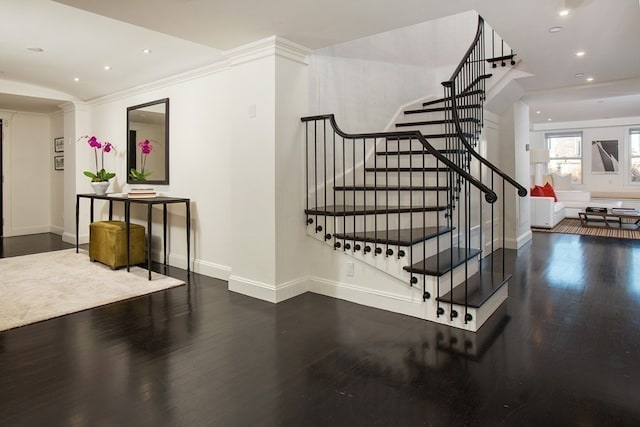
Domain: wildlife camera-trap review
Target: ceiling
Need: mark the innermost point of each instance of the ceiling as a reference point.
(79, 38)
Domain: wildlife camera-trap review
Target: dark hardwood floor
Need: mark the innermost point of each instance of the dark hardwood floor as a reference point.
(565, 352)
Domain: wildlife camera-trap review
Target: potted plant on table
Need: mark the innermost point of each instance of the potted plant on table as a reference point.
(99, 179)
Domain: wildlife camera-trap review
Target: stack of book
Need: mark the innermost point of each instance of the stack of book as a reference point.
(141, 193)
(595, 210)
(624, 211)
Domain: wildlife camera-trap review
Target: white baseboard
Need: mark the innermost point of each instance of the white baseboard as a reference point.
(57, 230)
(371, 298)
(211, 269)
(23, 231)
(267, 292)
(524, 238)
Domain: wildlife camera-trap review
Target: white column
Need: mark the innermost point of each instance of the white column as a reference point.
(76, 124)
(268, 98)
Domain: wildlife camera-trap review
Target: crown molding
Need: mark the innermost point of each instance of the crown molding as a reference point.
(69, 107)
(196, 73)
(585, 124)
(270, 46)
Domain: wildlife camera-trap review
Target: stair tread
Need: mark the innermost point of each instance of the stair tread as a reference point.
(437, 122)
(439, 100)
(390, 188)
(500, 58)
(401, 237)
(429, 136)
(366, 210)
(406, 169)
(409, 152)
(445, 261)
(438, 109)
(480, 287)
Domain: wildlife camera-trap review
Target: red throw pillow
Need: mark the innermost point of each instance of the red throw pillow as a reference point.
(537, 191)
(549, 191)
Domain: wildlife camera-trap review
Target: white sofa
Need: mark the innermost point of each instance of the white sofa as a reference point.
(574, 201)
(545, 213)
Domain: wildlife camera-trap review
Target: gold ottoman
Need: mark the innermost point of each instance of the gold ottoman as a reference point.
(108, 243)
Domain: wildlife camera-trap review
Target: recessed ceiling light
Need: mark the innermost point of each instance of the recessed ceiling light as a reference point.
(107, 67)
(589, 79)
(580, 53)
(76, 79)
(563, 12)
(35, 49)
(579, 74)
(146, 51)
(555, 29)
(538, 112)
(549, 119)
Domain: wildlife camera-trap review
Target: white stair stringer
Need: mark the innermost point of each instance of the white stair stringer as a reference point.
(403, 297)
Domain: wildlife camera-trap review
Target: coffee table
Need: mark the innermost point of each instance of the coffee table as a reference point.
(609, 218)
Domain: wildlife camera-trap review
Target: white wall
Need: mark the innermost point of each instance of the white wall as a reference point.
(56, 130)
(514, 160)
(200, 144)
(269, 97)
(253, 174)
(291, 104)
(363, 82)
(28, 167)
(594, 130)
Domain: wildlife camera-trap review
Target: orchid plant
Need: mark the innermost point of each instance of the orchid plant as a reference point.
(145, 150)
(100, 175)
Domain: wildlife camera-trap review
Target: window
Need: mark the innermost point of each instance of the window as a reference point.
(565, 154)
(634, 144)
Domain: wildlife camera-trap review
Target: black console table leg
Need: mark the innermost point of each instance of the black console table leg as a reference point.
(164, 235)
(127, 219)
(149, 206)
(77, 222)
(188, 237)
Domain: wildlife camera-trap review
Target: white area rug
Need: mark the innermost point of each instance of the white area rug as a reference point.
(46, 285)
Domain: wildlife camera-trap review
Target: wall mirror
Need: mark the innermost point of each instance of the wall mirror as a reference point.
(148, 143)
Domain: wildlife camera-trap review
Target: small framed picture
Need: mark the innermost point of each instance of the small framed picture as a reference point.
(58, 163)
(58, 145)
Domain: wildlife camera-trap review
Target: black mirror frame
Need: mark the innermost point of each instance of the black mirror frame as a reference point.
(132, 148)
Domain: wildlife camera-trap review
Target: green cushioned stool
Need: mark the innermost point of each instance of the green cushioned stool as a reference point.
(108, 243)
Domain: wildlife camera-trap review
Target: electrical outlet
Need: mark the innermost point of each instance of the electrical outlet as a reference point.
(350, 269)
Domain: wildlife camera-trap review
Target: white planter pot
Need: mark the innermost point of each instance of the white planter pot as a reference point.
(100, 188)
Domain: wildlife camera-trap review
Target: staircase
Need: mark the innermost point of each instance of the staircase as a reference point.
(419, 203)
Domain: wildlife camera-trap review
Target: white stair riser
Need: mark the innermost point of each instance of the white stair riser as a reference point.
(393, 198)
(413, 253)
(383, 222)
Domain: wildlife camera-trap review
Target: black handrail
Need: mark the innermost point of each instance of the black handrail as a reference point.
(467, 54)
(489, 195)
(522, 191)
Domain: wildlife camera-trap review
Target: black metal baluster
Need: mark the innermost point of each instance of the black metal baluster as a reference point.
(335, 218)
(315, 169)
(364, 174)
(324, 173)
(306, 168)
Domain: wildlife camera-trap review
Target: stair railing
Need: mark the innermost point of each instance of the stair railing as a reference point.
(342, 170)
(465, 94)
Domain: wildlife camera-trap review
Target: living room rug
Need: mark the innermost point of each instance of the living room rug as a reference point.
(51, 284)
(572, 226)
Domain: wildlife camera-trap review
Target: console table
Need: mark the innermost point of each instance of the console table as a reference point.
(150, 202)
